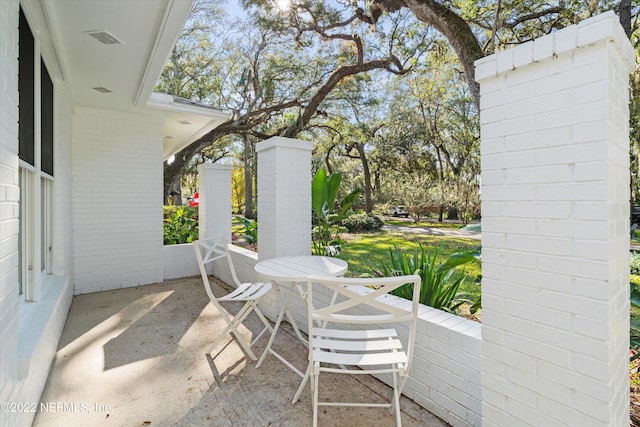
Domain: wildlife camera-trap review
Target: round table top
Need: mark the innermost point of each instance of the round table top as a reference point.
(296, 268)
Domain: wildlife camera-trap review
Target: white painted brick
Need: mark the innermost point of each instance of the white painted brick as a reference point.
(543, 48)
(537, 209)
(597, 28)
(587, 268)
(110, 151)
(542, 315)
(508, 225)
(565, 41)
(485, 68)
(497, 322)
(504, 61)
(523, 54)
(584, 195)
(592, 73)
(9, 385)
(563, 414)
(538, 244)
(507, 127)
(511, 159)
(571, 229)
(535, 348)
(538, 139)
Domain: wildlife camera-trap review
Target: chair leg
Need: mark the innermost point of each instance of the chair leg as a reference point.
(302, 384)
(232, 327)
(267, 325)
(314, 386)
(395, 403)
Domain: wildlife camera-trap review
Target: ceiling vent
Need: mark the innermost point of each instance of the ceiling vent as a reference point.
(104, 37)
(184, 122)
(102, 89)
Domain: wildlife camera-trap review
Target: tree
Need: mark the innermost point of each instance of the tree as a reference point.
(474, 29)
(268, 78)
(237, 188)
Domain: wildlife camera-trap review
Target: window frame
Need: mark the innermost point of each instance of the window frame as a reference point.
(36, 103)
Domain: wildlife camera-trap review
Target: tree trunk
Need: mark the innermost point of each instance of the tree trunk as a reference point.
(247, 156)
(367, 178)
(449, 24)
(625, 16)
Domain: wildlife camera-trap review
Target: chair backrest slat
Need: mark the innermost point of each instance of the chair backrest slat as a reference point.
(353, 305)
(209, 250)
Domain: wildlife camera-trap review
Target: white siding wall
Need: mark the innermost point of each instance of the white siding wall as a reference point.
(555, 228)
(117, 199)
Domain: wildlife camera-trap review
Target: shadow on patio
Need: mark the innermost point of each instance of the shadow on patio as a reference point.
(136, 356)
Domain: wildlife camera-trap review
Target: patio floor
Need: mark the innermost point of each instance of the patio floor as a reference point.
(136, 357)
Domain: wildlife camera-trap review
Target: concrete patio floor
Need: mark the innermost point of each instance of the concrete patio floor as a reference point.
(136, 357)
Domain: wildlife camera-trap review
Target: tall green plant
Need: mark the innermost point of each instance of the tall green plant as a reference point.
(324, 192)
(438, 288)
(181, 227)
(250, 230)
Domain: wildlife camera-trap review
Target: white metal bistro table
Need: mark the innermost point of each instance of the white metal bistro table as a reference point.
(293, 270)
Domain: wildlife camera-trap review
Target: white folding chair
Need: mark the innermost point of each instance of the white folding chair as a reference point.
(209, 250)
(351, 334)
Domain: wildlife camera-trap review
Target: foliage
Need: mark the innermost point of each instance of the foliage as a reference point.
(634, 333)
(250, 231)
(362, 222)
(439, 286)
(324, 191)
(634, 263)
(237, 189)
(180, 225)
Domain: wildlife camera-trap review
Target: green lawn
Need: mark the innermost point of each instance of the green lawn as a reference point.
(425, 223)
(366, 251)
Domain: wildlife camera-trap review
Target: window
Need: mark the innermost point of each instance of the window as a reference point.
(36, 149)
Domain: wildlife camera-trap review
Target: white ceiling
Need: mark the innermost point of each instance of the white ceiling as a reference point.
(148, 30)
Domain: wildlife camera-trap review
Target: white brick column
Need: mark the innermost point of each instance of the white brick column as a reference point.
(555, 228)
(215, 200)
(284, 197)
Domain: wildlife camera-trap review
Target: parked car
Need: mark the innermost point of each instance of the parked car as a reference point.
(400, 211)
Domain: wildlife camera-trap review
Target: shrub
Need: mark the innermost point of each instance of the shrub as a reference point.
(180, 225)
(438, 289)
(362, 222)
(250, 231)
(635, 263)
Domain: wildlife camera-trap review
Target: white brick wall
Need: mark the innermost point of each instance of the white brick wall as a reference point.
(29, 332)
(117, 200)
(9, 196)
(62, 189)
(554, 126)
(215, 200)
(284, 204)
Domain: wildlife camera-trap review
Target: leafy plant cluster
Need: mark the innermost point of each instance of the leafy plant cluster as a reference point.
(634, 333)
(249, 232)
(362, 222)
(439, 287)
(634, 263)
(326, 215)
(180, 224)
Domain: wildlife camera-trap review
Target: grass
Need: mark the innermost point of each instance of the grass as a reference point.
(366, 251)
(425, 222)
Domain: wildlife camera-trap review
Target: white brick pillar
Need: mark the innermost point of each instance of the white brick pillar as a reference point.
(215, 200)
(284, 197)
(555, 228)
